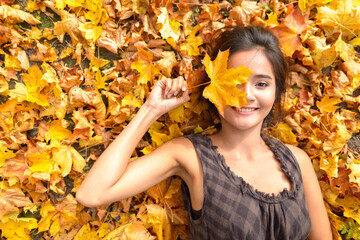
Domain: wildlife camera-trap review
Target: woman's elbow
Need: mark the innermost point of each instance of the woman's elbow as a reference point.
(86, 199)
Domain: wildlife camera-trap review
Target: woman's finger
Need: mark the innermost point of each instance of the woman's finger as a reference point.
(168, 86)
(174, 83)
(180, 81)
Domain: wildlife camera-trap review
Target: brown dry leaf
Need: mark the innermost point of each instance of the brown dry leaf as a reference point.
(10, 200)
(12, 15)
(107, 43)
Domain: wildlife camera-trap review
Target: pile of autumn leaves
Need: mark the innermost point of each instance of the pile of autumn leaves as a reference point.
(61, 104)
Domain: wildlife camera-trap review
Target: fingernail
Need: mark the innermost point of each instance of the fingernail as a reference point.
(183, 88)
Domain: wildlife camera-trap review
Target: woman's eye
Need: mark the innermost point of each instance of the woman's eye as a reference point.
(262, 84)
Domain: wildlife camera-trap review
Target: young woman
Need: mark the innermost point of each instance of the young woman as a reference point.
(238, 183)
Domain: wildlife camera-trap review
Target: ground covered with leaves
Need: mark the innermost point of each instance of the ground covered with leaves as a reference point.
(74, 72)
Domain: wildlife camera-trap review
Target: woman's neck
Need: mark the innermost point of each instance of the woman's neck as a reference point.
(247, 142)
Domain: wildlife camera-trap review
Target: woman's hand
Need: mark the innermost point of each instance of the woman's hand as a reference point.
(168, 94)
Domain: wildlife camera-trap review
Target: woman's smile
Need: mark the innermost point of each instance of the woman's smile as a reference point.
(245, 110)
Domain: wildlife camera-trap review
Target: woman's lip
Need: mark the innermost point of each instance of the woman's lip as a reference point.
(245, 110)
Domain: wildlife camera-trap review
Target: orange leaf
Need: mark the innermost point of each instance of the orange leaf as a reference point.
(223, 89)
(327, 104)
(7, 112)
(295, 20)
(145, 67)
(289, 40)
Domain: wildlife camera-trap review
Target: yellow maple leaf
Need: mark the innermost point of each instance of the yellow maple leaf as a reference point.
(34, 85)
(91, 5)
(327, 104)
(329, 164)
(351, 207)
(97, 63)
(223, 89)
(272, 20)
(324, 56)
(356, 81)
(284, 133)
(145, 67)
(304, 4)
(5, 153)
(97, 16)
(159, 221)
(192, 43)
(157, 135)
(18, 229)
(57, 133)
(103, 229)
(355, 42)
(58, 218)
(41, 162)
(354, 176)
(169, 28)
(12, 62)
(177, 114)
(92, 32)
(341, 17)
(86, 233)
(130, 100)
(99, 80)
(61, 4)
(32, 6)
(343, 49)
(337, 139)
(66, 157)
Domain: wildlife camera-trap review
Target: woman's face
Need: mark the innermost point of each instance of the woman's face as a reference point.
(260, 90)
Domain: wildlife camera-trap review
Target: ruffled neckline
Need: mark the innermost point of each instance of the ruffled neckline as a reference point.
(245, 187)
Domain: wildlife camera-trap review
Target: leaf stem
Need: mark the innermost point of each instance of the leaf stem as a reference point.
(201, 84)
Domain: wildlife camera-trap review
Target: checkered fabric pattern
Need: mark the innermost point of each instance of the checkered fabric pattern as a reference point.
(233, 209)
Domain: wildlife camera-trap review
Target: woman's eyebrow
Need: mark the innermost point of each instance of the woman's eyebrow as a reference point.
(262, 76)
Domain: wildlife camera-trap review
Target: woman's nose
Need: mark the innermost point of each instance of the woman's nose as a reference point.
(248, 89)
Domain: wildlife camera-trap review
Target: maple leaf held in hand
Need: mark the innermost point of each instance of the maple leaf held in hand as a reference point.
(223, 86)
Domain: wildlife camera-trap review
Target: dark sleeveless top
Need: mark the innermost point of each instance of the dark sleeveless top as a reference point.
(233, 209)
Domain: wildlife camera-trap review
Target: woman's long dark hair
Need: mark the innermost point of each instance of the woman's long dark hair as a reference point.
(254, 37)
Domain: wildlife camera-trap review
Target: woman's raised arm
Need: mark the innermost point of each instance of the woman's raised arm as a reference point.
(111, 177)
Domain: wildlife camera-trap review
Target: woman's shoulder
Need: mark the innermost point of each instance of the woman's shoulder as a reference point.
(302, 158)
(182, 148)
